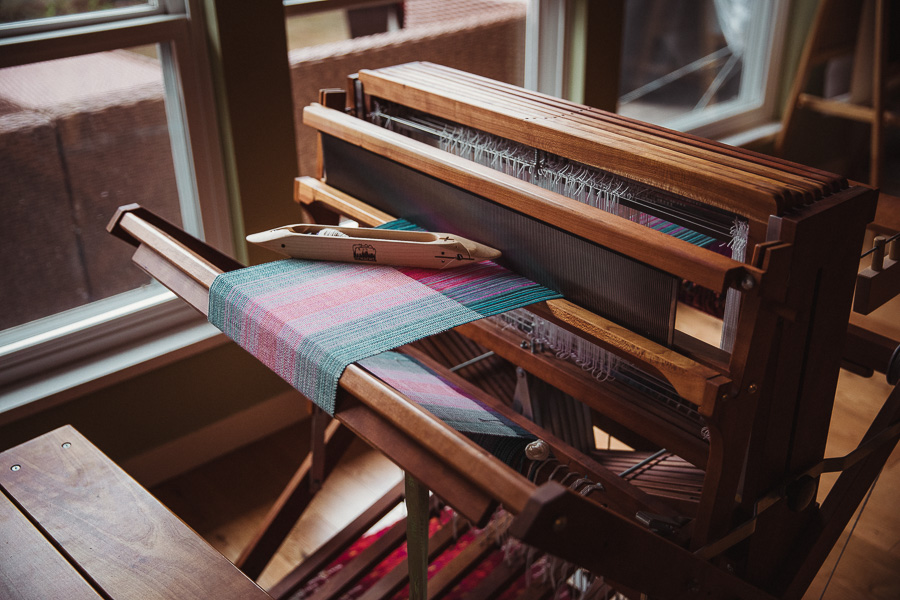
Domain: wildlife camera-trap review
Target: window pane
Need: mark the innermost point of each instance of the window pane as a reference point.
(485, 37)
(78, 137)
(26, 10)
(683, 56)
(318, 28)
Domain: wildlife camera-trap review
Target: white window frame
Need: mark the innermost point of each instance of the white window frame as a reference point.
(48, 358)
(553, 30)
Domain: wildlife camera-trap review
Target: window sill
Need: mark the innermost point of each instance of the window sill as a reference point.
(46, 390)
(754, 135)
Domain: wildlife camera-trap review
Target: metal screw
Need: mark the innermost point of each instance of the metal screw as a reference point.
(67, 445)
(560, 523)
(748, 283)
(15, 468)
(724, 396)
(752, 388)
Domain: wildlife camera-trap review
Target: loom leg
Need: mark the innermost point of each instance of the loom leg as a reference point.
(295, 498)
(418, 513)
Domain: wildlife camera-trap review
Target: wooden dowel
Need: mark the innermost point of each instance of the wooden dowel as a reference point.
(164, 244)
(390, 584)
(417, 511)
(878, 255)
(308, 190)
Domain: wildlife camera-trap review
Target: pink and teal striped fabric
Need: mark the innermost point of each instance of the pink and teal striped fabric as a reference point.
(486, 427)
(309, 320)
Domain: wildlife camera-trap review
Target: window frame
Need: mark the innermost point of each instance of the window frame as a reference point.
(555, 41)
(70, 343)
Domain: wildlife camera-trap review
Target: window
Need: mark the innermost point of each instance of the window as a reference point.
(485, 37)
(700, 66)
(706, 66)
(33, 11)
(98, 108)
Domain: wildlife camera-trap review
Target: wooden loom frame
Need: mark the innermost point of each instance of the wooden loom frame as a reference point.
(774, 508)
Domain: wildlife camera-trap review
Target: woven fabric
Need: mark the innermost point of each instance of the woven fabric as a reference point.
(486, 427)
(308, 320)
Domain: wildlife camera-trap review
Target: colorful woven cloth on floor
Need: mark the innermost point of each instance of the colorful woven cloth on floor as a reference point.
(309, 320)
(484, 426)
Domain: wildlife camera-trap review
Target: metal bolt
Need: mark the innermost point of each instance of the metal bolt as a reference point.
(15, 468)
(67, 445)
(724, 396)
(752, 388)
(748, 283)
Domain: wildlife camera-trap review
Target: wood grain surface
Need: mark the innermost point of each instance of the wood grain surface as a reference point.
(30, 567)
(129, 545)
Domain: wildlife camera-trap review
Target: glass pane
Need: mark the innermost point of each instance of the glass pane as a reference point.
(485, 37)
(318, 28)
(27, 10)
(78, 137)
(682, 56)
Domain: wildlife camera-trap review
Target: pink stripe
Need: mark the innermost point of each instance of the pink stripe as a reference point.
(319, 311)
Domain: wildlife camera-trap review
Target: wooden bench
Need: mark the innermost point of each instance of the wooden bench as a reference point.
(74, 525)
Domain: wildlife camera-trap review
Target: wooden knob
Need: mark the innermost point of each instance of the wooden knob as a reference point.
(878, 255)
(537, 450)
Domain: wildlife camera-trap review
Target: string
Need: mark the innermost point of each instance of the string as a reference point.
(638, 202)
(886, 242)
(850, 535)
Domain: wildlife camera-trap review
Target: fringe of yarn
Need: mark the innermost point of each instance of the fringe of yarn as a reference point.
(542, 334)
(588, 185)
(740, 234)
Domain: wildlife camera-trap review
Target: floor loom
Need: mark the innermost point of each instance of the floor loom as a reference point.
(621, 217)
